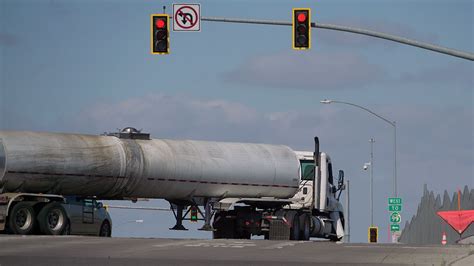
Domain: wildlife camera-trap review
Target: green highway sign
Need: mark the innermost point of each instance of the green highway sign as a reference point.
(395, 208)
(394, 227)
(392, 201)
(395, 217)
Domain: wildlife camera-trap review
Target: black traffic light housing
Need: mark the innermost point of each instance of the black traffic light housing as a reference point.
(301, 28)
(194, 214)
(373, 234)
(160, 39)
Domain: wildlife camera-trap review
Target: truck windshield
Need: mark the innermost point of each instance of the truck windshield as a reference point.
(307, 169)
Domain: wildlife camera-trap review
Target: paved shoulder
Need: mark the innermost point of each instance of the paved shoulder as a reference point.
(77, 250)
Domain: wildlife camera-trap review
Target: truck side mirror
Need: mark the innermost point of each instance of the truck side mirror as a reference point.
(100, 205)
(340, 181)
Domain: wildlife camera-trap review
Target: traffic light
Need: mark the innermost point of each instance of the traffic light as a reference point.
(301, 28)
(160, 41)
(194, 213)
(373, 234)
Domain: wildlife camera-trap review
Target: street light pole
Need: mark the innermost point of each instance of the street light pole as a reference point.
(394, 125)
(347, 225)
(371, 181)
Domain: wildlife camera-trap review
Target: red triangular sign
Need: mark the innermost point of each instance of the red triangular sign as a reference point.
(458, 220)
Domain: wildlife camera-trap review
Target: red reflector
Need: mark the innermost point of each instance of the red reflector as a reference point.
(301, 17)
(160, 23)
(4, 199)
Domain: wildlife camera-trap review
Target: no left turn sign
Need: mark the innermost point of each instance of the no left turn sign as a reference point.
(186, 17)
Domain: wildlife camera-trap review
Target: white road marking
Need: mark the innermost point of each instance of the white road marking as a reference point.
(177, 243)
(284, 244)
(236, 244)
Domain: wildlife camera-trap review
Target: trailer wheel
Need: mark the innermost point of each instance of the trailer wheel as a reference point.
(105, 230)
(22, 219)
(52, 219)
(67, 228)
(295, 228)
(305, 230)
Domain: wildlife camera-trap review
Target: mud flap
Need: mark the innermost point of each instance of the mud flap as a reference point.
(339, 228)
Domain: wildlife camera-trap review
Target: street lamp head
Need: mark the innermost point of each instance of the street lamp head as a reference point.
(366, 166)
(326, 101)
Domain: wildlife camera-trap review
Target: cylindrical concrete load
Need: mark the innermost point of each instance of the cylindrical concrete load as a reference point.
(112, 167)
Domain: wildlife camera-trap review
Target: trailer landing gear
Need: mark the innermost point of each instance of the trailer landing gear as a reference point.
(178, 214)
(207, 216)
(178, 211)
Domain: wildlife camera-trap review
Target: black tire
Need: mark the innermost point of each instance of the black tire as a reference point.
(67, 229)
(22, 219)
(52, 219)
(105, 229)
(305, 226)
(295, 228)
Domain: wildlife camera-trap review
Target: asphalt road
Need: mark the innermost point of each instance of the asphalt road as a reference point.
(77, 250)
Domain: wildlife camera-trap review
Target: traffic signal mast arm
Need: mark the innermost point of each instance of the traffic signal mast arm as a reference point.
(390, 37)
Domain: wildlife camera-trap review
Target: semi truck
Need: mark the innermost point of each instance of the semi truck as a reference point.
(238, 189)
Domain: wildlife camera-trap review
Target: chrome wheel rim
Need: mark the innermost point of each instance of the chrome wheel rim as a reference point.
(55, 219)
(23, 219)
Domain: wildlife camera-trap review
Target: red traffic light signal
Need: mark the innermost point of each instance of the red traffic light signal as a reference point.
(301, 28)
(160, 23)
(301, 17)
(160, 34)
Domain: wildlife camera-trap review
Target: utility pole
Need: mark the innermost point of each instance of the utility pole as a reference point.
(347, 217)
(372, 140)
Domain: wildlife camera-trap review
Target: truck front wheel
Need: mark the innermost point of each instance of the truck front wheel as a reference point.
(52, 219)
(305, 226)
(22, 219)
(295, 228)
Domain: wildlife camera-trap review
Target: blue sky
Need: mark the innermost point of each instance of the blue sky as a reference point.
(85, 66)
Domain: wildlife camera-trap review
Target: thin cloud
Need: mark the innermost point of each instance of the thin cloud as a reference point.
(8, 39)
(316, 71)
(456, 74)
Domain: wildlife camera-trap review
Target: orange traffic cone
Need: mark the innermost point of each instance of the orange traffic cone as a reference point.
(443, 240)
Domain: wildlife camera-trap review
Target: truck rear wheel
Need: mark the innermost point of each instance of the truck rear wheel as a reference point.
(22, 219)
(52, 219)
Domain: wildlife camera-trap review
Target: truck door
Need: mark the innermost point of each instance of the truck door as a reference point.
(304, 195)
(331, 190)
